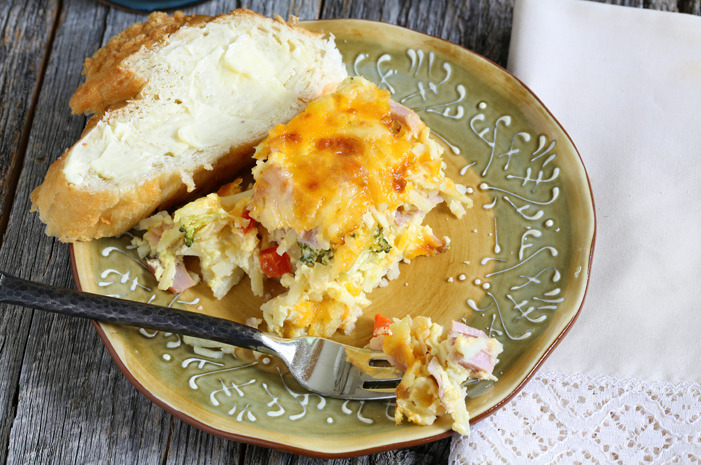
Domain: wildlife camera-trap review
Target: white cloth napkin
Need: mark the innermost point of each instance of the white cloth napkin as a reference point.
(626, 84)
(623, 386)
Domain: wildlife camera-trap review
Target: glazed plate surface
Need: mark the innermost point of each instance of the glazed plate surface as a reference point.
(517, 268)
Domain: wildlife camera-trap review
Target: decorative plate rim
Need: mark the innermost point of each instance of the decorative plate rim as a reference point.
(394, 445)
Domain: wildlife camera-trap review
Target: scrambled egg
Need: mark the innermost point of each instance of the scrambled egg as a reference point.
(436, 363)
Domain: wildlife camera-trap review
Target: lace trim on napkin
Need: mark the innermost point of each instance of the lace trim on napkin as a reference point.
(563, 419)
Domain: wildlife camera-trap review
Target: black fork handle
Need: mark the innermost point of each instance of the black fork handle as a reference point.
(111, 310)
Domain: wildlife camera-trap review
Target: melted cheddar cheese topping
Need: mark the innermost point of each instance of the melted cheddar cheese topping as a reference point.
(346, 153)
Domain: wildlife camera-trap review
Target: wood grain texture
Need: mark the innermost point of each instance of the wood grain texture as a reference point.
(683, 6)
(480, 25)
(26, 29)
(690, 6)
(26, 34)
(62, 398)
(190, 446)
(434, 453)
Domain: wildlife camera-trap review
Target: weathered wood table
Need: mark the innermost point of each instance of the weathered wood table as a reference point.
(62, 398)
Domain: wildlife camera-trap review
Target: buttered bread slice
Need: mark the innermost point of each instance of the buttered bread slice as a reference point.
(179, 104)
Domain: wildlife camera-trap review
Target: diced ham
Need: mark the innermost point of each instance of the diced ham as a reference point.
(405, 116)
(483, 361)
(310, 238)
(403, 218)
(396, 362)
(153, 235)
(253, 322)
(376, 343)
(182, 279)
(457, 328)
(273, 188)
(435, 199)
(434, 369)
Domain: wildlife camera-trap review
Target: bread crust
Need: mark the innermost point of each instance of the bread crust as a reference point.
(74, 213)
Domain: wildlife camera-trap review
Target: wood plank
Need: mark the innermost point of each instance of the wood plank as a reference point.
(303, 9)
(482, 26)
(190, 446)
(662, 5)
(26, 33)
(690, 6)
(434, 453)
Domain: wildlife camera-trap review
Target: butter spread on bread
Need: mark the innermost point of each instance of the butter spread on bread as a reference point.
(179, 104)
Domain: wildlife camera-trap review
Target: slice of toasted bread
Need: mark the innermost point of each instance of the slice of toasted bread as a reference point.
(179, 104)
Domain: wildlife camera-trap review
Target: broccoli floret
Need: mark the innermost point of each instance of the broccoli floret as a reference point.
(311, 256)
(308, 254)
(191, 224)
(189, 235)
(380, 243)
(325, 256)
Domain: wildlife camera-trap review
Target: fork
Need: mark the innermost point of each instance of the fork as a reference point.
(322, 366)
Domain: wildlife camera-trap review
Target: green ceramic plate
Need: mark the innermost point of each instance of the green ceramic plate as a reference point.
(518, 266)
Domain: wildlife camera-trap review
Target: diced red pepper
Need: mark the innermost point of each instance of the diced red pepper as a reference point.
(251, 222)
(381, 325)
(274, 265)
